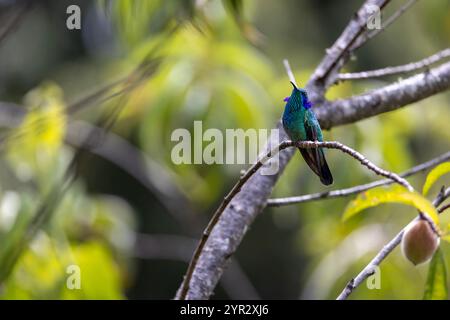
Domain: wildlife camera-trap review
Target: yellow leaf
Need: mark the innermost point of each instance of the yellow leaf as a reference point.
(395, 194)
(434, 175)
(36, 142)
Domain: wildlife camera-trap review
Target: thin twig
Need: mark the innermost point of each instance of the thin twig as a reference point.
(343, 46)
(443, 208)
(14, 21)
(253, 169)
(413, 66)
(384, 99)
(442, 196)
(387, 249)
(387, 23)
(278, 202)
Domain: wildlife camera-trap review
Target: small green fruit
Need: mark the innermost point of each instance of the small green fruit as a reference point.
(419, 242)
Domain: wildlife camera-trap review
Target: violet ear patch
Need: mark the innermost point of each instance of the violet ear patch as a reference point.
(286, 99)
(308, 104)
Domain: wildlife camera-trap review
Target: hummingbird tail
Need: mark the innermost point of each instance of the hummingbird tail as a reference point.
(315, 159)
(325, 174)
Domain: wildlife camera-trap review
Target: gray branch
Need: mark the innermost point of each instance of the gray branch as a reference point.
(413, 66)
(397, 14)
(384, 99)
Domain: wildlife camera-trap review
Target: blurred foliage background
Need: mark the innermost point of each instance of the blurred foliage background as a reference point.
(131, 224)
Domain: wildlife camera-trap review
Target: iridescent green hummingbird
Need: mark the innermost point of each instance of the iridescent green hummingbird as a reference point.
(300, 123)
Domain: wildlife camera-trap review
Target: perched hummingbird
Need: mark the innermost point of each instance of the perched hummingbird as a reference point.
(300, 123)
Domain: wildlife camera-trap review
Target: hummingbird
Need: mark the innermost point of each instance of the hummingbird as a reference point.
(300, 123)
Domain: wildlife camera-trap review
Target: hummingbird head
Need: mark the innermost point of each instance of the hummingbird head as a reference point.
(299, 95)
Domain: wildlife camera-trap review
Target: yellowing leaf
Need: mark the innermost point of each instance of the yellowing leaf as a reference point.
(36, 142)
(43, 272)
(99, 274)
(434, 175)
(395, 194)
(436, 286)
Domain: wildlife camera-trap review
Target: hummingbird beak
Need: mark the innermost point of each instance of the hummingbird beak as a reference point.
(293, 84)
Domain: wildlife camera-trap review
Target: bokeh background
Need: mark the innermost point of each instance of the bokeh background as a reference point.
(131, 224)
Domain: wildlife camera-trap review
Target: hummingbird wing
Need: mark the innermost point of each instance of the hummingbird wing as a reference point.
(315, 157)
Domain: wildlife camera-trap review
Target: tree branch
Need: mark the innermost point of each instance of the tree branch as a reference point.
(413, 66)
(443, 208)
(388, 98)
(387, 249)
(339, 52)
(362, 40)
(278, 202)
(190, 280)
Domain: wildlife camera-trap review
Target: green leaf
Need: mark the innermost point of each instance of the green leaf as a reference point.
(434, 175)
(395, 194)
(436, 286)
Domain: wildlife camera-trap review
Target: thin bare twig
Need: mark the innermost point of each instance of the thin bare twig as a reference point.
(384, 99)
(385, 251)
(339, 52)
(278, 202)
(182, 294)
(443, 208)
(413, 66)
(386, 24)
(13, 22)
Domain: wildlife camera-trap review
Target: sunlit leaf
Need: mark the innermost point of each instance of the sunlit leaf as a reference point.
(136, 20)
(395, 194)
(436, 286)
(34, 145)
(44, 271)
(434, 175)
(90, 258)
